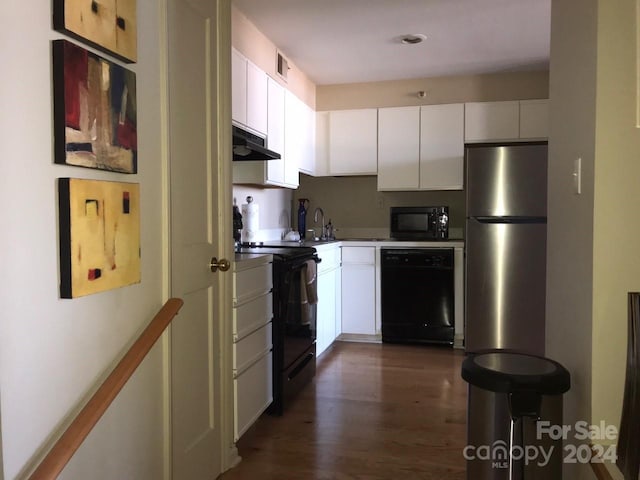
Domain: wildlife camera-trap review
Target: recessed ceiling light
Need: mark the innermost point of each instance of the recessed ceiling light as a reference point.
(413, 39)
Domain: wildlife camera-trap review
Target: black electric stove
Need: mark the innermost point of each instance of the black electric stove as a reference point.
(294, 320)
(284, 250)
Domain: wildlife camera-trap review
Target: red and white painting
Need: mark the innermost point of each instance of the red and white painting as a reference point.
(95, 114)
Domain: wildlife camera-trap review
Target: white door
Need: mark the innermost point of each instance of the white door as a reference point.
(199, 117)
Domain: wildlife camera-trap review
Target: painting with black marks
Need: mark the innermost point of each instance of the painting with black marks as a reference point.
(99, 235)
(109, 25)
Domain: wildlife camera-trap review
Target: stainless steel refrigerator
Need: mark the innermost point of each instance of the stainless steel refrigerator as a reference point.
(505, 277)
(506, 230)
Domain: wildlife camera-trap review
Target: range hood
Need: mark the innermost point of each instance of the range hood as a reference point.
(248, 146)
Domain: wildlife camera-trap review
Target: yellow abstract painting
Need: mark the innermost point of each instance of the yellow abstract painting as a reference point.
(99, 236)
(109, 25)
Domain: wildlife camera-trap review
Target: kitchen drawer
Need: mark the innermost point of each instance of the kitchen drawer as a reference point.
(330, 259)
(365, 255)
(251, 315)
(251, 282)
(253, 391)
(251, 348)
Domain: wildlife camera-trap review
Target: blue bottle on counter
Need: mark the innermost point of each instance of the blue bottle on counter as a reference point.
(302, 216)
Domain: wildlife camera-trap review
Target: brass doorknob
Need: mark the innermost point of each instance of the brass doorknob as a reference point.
(223, 264)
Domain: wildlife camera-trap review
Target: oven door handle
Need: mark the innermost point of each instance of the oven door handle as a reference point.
(303, 363)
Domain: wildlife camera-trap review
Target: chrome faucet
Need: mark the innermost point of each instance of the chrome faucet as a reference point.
(323, 235)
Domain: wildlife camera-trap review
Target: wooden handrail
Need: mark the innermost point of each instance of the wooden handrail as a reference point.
(74, 435)
(598, 468)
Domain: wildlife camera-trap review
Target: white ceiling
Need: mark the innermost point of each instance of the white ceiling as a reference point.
(345, 41)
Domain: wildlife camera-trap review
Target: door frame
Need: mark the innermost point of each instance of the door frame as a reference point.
(222, 31)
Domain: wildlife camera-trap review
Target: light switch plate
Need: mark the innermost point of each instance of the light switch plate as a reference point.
(577, 176)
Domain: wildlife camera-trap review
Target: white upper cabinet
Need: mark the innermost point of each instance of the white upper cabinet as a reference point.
(421, 148)
(248, 93)
(514, 120)
(322, 144)
(353, 142)
(293, 145)
(487, 121)
(442, 147)
(238, 87)
(262, 104)
(534, 119)
(275, 132)
(256, 98)
(399, 148)
(282, 172)
(308, 149)
(301, 137)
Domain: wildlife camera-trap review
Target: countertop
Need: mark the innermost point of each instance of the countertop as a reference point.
(245, 261)
(381, 242)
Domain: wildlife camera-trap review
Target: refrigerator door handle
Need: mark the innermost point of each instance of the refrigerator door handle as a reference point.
(508, 219)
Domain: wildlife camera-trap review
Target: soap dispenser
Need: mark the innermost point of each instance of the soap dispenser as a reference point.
(302, 216)
(329, 230)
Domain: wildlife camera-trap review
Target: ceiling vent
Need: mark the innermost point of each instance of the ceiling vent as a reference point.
(282, 66)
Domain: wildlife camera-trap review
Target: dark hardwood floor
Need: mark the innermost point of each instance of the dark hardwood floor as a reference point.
(373, 412)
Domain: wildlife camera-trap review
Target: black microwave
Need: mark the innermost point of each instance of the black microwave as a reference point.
(420, 223)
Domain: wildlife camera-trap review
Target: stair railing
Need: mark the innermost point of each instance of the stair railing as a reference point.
(69, 442)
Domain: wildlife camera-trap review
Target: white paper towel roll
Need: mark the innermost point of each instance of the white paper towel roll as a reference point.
(250, 221)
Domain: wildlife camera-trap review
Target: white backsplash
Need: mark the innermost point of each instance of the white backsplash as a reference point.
(275, 216)
(274, 209)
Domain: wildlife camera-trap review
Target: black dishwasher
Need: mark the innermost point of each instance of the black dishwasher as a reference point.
(417, 295)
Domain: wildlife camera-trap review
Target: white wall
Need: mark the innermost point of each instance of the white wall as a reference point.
(570, 216)
(53, 351)
(254, 45)
(593, 259)
(453, 89)
(616, 258)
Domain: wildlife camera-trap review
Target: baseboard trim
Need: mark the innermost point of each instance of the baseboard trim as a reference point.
(358, 337)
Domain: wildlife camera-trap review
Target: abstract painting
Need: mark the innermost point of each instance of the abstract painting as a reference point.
(99, 235)
(108, 25)
(94, 110)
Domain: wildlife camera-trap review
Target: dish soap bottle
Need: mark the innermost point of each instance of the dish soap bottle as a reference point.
(302, 217)
(329, 229)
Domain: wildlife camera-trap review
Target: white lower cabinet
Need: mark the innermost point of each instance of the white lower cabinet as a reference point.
(252, 339)
(359, 290)
(328, 314)
(253, 391)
